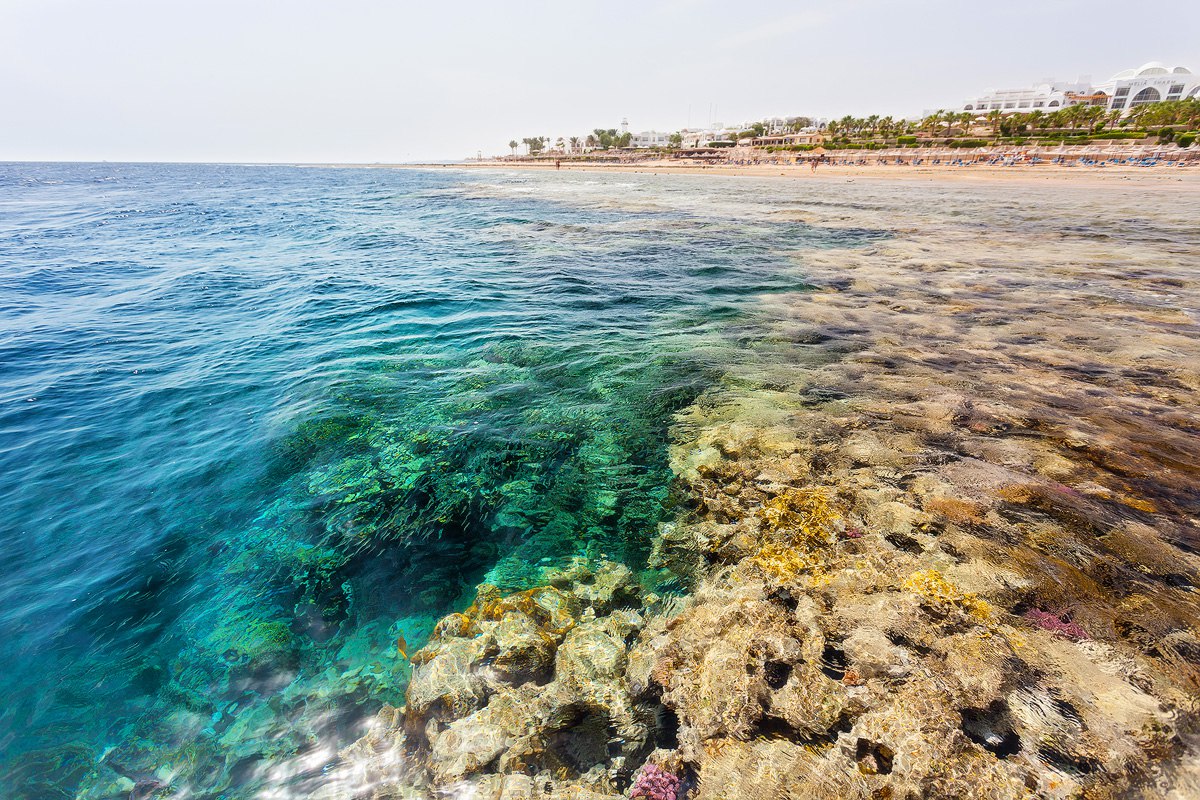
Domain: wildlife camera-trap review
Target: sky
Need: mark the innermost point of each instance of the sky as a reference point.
(365, 81)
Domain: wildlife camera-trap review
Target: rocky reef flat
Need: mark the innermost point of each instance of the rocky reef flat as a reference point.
(938, 534)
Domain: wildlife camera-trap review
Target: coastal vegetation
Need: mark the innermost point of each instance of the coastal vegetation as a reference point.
(534, 144)
(608, 139)
(1172, 121)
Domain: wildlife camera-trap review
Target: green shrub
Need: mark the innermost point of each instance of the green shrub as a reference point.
(902, 140)
(1120, 135)
(1186, 139)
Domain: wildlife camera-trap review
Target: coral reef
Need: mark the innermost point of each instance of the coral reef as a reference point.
(566, 713)
(1055, 624)
(870, 548)
(932, 536)
(655, 783)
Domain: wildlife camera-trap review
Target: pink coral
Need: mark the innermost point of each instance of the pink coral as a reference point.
(655, 783)
(1055, 624)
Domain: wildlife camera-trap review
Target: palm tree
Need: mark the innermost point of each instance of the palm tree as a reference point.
(513, 145)
(950, 117)
(574, 141)
(993, 117)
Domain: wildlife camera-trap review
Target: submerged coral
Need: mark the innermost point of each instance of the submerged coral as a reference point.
(655, 783)
(873, 505)
(1055, 624)
(869, 541)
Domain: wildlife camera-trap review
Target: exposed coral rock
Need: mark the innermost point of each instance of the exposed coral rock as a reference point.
(445, 683)
(471, 743)
(533, 683)
(888, 574)
(724, 655)
(523, 651)
(873, 655)
(598, 586)
(775, 768)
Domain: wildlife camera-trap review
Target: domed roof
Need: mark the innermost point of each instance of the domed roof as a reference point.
(1150, 69)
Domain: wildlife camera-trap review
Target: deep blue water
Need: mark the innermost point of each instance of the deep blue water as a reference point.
(257, 422)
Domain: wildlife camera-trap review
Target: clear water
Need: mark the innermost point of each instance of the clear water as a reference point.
(256, 423)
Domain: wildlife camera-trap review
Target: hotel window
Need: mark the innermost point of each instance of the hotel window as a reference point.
(1118, 103)
(1024, 104)
(1175, 91)
(1010, 105)
(1122, 92)
(1038, 104)
(995, 106)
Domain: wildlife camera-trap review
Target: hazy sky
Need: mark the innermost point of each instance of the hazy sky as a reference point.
(367, 80)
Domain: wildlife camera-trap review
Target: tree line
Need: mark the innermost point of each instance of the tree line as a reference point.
(1171, 117)
(1181, 114)
(598, 139)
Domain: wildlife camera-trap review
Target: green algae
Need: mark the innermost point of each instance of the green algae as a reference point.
(390, 505)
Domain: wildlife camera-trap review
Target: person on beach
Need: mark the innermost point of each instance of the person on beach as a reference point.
(813, 162)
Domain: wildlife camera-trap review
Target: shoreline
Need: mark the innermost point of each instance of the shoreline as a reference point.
(1039, 174)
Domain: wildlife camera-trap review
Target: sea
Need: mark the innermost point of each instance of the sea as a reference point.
(262, 426)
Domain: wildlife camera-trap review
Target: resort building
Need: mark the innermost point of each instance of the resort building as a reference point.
(703, 137)
(647, 139)
(1048, 96)
(1149, 83)
(788, 139)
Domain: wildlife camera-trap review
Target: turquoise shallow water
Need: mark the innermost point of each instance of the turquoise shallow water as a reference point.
(258, 422)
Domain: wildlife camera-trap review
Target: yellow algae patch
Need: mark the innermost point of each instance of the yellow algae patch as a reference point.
(780, 562)
(807, 515)
(1139, 504)
(943, 597)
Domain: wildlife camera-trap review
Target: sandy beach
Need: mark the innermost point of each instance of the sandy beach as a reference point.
(1179, 177)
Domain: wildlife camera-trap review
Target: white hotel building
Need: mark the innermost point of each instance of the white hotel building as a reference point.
(1148, 83)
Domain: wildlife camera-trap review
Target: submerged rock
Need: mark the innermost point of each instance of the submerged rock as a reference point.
(901, 584)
